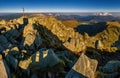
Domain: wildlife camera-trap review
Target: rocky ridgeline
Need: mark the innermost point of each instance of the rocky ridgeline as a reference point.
(71, 40)
(45, 48)
(30, 48)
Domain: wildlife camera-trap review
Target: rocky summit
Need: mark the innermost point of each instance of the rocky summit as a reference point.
(47, 47)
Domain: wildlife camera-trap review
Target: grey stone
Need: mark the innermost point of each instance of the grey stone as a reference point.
(34, 75)
(111, 67)
(12, 61)
(38, 40)
(3, 41)
(84, 66)
(112, 75)
(12, 34)
(74, 74)
(44, 58)
(1, 49)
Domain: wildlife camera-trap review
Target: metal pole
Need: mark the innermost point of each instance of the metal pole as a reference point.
(23, 11)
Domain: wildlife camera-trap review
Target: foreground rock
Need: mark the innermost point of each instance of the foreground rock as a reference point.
(111, 69)
(3, 43)
(45, 61)
(84, 67)
(3, 72)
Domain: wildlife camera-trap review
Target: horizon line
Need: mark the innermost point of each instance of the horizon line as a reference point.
(64, 12)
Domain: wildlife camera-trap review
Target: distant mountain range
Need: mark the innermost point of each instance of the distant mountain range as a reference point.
(93, 17)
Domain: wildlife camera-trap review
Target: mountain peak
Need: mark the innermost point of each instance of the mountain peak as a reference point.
(103, 14)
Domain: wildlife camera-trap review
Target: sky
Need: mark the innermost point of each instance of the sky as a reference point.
(60, 5)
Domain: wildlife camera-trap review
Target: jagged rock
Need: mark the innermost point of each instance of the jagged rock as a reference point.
(111, 67)
(33, 20)
(75, 45)
(58, 28)
(99, 45)
(31, 36)
(85, 66)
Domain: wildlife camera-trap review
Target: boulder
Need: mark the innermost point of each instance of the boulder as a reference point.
(85, 66)
(112, 75)
(34, 75)
(12, 34)
(3, 72)
(24, 64)
(111, 67)
(13, 62)
(44, 59)
(1, 49)
(3, 42)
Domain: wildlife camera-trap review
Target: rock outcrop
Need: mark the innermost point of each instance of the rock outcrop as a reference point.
(31, 37)
(85, 66)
